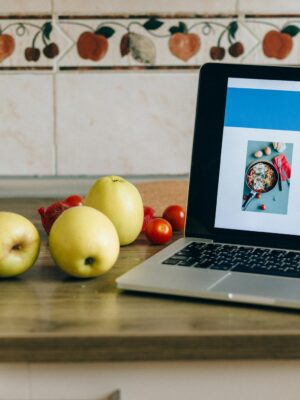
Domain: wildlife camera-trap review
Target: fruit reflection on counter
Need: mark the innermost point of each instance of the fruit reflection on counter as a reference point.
(19, 244)
(83, 242)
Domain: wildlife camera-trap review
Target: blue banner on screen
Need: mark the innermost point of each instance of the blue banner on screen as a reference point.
(264, 109)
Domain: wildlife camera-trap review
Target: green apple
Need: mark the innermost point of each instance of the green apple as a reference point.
(121, 202)
(83, 242)
(19, 244)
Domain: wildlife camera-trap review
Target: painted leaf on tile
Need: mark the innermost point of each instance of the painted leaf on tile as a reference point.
(47, 29)
(232, 29)
(180, 28)
(105, 31)
(291, 30)
(152, 24)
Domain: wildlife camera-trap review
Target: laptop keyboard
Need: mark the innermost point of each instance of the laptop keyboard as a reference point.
(238, 258)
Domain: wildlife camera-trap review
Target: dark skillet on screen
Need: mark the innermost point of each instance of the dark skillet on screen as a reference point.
(261, 177)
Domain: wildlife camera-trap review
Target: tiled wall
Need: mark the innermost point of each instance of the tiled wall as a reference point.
(94, 87)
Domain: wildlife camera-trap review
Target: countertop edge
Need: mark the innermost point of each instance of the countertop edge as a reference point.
(101, 349)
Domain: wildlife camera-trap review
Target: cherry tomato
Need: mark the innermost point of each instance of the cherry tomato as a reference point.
(74, 200)
(258, 195)
(158, 231)
(175, 214)
(148, 215)
(263, 207)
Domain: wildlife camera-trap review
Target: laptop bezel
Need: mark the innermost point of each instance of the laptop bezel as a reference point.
(206, 154)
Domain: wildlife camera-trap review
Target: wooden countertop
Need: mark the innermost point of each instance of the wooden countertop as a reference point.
(47, 316)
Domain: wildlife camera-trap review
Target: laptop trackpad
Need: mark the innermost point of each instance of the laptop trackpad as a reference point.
(262, 286)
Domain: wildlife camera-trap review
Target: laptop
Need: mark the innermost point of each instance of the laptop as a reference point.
(242, 235)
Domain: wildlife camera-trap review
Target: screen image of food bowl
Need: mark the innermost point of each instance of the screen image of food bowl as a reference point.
(267, 177)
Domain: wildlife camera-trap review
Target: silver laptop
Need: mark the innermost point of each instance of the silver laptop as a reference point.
(242, 236)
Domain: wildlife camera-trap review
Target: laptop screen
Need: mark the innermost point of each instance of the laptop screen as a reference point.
(260, 157)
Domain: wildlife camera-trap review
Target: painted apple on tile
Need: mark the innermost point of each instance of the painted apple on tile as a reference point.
(7, 46)
(277, 44)
(183, 44)
(91, 46)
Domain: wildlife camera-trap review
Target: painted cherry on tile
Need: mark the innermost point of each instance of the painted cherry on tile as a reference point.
(235, 49)
(217, 53)
(50, 50)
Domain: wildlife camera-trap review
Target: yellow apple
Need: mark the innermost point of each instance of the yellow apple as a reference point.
(121, 202)
(83, 242)
(19, 244)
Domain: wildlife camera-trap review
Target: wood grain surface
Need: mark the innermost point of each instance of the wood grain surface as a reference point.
(48, 316)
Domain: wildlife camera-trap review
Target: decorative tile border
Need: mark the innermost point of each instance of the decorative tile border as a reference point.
(140, 42)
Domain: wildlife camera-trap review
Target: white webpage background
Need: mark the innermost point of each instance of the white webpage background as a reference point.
(229, 214)
(263, 84)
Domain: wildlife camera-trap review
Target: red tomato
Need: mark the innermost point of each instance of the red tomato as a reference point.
(158, 231)
(74, 200)
(263, 207)
(175, 214)
(148, 215)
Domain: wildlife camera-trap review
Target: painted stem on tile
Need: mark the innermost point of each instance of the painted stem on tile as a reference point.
(20, 24)
(112, 23)
(77, 23)
(149, 31)
(35, 38)
(207, 24)
(264, 23)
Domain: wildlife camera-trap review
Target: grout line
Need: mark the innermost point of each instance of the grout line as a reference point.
(54, 132)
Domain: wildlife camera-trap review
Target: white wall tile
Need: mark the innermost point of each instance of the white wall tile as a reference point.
(25, 6)
(213, 380)
(125, 123)
(14, 381)
(94, 7)
(26, 129)
(269, 6)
